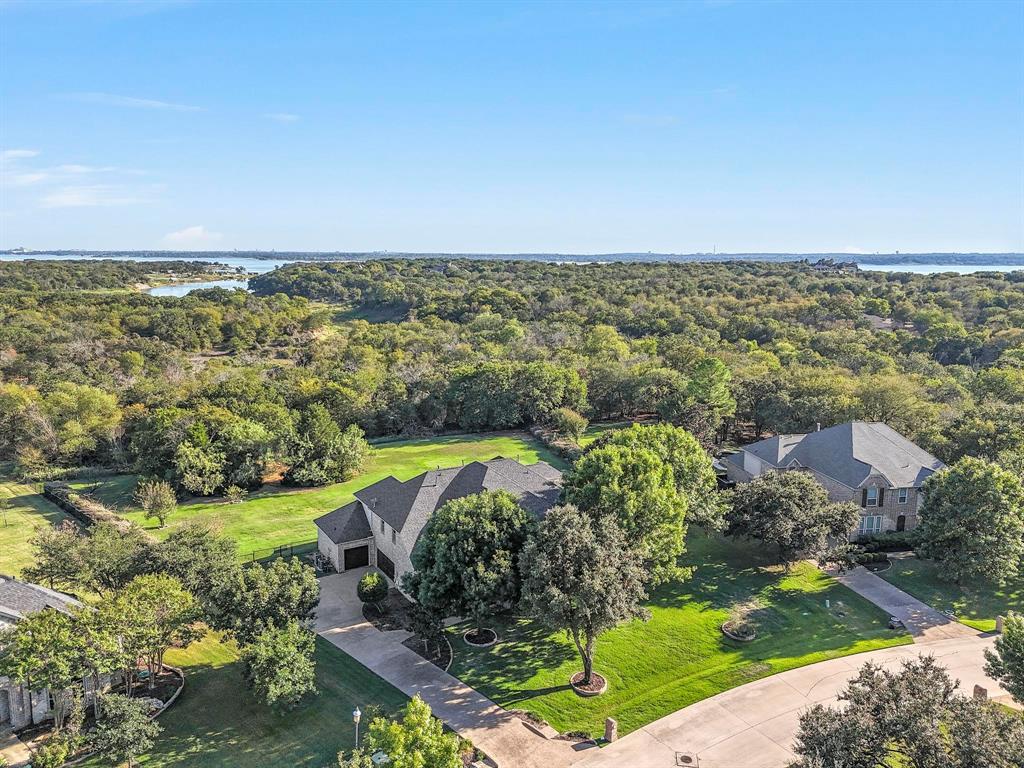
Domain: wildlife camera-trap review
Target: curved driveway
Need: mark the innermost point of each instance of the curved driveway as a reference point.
(753, 726)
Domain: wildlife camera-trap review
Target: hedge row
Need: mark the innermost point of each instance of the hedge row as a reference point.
(79, 506)
(893, 541)
(563, 447)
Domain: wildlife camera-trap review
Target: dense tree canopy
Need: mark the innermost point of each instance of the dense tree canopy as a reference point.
(467, 558)
(972, 521)
(791, 512)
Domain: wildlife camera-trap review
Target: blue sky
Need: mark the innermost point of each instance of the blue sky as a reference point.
(513, 127)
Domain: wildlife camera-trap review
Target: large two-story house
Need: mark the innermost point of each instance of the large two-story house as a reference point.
(383, 524)
(866, 462)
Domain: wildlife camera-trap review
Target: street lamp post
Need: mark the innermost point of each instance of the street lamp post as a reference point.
(356, 714)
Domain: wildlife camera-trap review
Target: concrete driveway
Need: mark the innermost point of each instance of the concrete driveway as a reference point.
(924, 623)
(754, 726)
(503, 736)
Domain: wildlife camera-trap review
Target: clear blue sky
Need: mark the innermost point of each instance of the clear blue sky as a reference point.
(576, 127)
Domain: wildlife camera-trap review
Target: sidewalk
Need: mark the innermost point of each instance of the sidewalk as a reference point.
(503, 736)
(923, 622)
(13, 751)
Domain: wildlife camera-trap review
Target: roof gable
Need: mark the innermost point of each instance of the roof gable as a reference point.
(852, 452)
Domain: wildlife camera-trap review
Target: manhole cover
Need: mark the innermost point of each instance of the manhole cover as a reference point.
(687, 759)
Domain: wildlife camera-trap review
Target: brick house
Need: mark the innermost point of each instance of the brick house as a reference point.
(383, 524)
(866, 462)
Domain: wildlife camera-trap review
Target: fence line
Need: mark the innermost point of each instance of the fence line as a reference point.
(294, 549)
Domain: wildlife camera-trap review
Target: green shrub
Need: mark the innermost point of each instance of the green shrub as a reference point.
(372, 588)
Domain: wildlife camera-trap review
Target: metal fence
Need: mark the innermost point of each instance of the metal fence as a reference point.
(296, 549)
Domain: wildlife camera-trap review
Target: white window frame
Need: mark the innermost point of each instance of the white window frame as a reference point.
(872, 502)
(870, 524)
(902, 495)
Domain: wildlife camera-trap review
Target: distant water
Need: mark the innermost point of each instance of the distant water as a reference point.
(931, 269)
(184, 289)
(260, 266)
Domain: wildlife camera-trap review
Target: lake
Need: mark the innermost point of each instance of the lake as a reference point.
(261, 266)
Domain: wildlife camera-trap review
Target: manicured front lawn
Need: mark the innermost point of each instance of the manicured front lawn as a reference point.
(680, 656)
(274, 515)
(217, 723)
(974, 604)
(26, 511)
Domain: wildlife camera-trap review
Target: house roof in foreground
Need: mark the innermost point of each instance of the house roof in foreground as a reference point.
(401, 505)
(18, 598)
(347, 523)
(850, 453)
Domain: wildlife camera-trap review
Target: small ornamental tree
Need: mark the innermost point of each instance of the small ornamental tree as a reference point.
(279, 664)
(125, 730)
(567, 423)
(1005, 662)
(912, 716)
(373, 589)
(157, 499)
(165, 614)
(466, 561)
(581, 577)
(418, 739)
(790, 511)
(972, 521)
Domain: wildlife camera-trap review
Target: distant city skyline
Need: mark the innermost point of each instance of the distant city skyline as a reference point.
(573, 128)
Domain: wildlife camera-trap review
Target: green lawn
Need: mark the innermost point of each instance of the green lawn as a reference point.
(276, 515)
(26, 511)
(217, 723)
(594, 431)
(976, 605)
(679, 656)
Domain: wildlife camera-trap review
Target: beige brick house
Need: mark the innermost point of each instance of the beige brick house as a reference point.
(866, 462)
(383, 524)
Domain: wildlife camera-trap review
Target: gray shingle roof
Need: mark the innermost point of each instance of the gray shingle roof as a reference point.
(850, 453)
(347, 523)
(536, 486)
(18, 598)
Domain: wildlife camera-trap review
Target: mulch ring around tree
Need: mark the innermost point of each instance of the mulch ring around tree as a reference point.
(596, 687)
(483, 639)
(438, 654)
(739, 631)
(395, 612)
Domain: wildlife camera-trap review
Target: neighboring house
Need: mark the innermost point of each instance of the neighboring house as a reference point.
(866, 462)
(383, 524)
(20, 707)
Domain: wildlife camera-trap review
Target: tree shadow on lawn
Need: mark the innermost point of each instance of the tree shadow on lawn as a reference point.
(524, 649)
(217, 722)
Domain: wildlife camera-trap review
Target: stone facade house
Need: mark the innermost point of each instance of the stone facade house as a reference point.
(383, 524)
(20, 707)
(866, 462)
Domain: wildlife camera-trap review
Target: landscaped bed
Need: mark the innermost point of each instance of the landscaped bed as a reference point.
(681, 655)
(973, 604)
(218, 723)
(276, 515)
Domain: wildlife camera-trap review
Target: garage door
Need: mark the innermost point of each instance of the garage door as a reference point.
(357, 557)
(385, 564)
